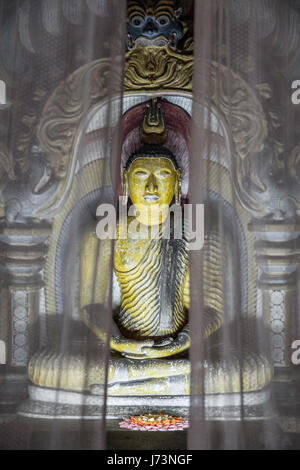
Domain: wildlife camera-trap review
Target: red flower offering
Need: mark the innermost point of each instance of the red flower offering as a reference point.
(154, 422)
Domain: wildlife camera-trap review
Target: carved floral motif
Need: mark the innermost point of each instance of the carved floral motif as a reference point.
(158, 68)
(65, 109)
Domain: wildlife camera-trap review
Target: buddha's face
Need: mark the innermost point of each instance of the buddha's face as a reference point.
(151, 183)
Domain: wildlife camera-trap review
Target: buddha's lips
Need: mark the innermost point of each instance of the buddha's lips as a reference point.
(151, 198)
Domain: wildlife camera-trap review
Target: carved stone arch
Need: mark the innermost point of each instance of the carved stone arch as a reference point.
(67, 118)
(87, 172)
(64, 119)
(231, 97)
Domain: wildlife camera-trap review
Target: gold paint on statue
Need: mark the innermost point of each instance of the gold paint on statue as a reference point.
(151, 183)
(55, 370)
(145, 328)
(158, 68)
(150, 326)
(153, 129)
(150, 8)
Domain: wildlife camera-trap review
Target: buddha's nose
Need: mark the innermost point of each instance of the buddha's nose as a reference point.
(150, 28)
(151, 184)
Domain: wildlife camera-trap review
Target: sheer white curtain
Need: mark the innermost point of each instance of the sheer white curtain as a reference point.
(51, 56)
(42, 46)
(219, 48)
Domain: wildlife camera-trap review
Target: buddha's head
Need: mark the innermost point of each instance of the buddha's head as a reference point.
(151, 180)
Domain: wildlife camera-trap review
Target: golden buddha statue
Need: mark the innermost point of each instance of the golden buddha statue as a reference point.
(150, 334)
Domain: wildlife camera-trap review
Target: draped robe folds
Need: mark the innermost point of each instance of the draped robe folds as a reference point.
(152, 275)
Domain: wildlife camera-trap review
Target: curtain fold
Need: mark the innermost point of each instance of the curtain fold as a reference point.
(60, 133)
(244, 339)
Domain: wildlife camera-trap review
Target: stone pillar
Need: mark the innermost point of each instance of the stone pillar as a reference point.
(22, 250)
(277, 249)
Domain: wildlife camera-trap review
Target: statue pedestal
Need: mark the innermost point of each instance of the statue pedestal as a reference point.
(46, 403)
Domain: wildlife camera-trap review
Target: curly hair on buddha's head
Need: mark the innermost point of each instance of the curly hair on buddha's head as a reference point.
(152, 151)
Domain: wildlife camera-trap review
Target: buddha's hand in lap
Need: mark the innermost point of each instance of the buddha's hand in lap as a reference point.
(131, 348)
(165, 348)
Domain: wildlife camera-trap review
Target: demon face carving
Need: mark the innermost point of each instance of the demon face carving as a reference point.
(154, 23)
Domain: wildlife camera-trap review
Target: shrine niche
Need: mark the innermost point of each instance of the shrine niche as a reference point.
(50, 370)
(92, 320)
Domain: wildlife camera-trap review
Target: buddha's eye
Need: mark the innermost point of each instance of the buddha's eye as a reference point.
(137, 20)
(141, 174)
(163, 173)
(163, 20)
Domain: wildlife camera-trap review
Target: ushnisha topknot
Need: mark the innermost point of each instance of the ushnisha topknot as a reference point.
(152, 151)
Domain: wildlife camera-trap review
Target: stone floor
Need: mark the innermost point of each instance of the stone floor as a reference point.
(19, 434)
